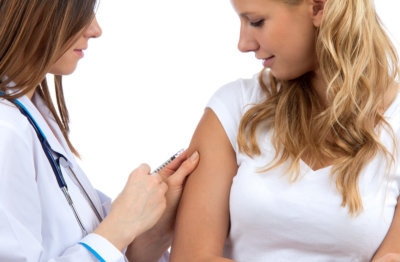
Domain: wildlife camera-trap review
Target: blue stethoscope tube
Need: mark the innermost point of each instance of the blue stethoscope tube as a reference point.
(45, 145)
(55, 164)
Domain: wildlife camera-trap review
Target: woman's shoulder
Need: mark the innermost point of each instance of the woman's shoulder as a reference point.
(244, 91)
(232, 100)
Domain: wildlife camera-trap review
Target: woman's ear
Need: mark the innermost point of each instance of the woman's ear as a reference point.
(317, 11)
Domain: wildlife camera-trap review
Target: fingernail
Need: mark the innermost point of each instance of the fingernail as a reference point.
(194, 156)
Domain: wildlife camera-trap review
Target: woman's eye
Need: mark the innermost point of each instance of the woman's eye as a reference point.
(257, 23)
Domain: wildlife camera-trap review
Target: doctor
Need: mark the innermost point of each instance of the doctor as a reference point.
(48, 209)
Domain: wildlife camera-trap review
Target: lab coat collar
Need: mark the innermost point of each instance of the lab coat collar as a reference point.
(45, 120)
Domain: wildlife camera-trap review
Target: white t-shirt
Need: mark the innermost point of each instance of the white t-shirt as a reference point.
(36, 222)
(275, 220)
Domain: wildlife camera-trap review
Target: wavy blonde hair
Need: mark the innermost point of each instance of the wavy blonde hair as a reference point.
(359, 64)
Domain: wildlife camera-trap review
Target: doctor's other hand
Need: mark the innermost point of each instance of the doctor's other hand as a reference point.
(138, 208)
(175, 174)
(154, 242)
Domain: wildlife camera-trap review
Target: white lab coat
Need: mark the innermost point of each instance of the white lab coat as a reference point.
(36, 222)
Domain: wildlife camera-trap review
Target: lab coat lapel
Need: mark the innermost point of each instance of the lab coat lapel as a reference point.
(41, 113)
(44, 126)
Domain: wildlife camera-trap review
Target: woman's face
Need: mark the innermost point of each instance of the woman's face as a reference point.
(282, 35)
(69, 60)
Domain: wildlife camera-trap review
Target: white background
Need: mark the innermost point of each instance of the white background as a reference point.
(141, 89)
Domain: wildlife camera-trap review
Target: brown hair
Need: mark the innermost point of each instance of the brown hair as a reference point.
(34, 34)
(359, 64)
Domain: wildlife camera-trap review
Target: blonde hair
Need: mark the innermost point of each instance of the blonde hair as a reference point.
(34, 34)
(359, 64)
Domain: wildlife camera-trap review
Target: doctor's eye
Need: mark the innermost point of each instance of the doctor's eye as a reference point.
(257, 23)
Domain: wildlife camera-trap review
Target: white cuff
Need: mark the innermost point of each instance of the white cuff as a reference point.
(101, 248)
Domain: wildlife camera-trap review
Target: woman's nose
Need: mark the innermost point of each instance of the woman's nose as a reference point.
(247, 42)
(94, 29)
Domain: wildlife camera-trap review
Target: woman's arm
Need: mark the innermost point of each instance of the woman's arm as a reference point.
(390, 248)
(202, 223)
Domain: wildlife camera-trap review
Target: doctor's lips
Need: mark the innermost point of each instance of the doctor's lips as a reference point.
(79, 52)
(267, 62)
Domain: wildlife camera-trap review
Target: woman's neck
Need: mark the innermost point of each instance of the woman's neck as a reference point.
(320, 87)
(389, 97)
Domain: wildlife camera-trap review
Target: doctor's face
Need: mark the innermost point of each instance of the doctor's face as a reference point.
(69, 60)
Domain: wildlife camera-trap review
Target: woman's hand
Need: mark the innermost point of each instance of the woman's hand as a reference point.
(137, 209)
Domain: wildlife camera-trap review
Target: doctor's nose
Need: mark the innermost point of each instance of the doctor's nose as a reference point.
(94, 29)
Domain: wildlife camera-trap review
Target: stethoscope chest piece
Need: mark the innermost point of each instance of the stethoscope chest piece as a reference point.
(63, 162)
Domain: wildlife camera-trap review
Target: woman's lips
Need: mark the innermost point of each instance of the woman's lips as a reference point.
(268, 61)
(79, 52)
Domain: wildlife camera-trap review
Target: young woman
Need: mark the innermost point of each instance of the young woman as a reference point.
(48, 209)
(301, 162)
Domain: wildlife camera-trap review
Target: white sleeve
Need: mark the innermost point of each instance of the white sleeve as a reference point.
(227, 104)
(20, 209)
(105, 202)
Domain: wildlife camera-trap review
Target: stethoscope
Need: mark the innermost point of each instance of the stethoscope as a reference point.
(56, 163)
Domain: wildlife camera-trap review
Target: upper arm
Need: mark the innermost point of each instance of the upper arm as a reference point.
(202, 222)
(18, 185)
(391, 243)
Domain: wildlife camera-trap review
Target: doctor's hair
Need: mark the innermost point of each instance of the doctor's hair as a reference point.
(34, 34)
(359, 65)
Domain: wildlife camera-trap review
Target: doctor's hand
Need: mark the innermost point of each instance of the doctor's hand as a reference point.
(153, 243)
(137, 209)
